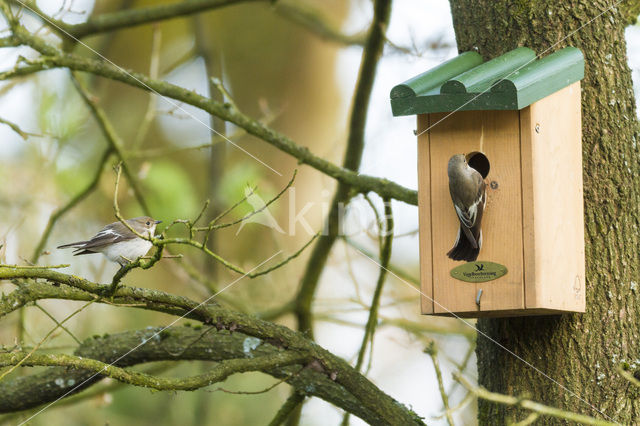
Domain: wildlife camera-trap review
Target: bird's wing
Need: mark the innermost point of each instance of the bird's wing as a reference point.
(468, 211)
(110, 234)
(467, 216)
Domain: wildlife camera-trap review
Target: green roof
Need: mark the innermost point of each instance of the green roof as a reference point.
(509, 82)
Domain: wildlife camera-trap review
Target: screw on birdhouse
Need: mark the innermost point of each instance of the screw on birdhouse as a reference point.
(537, 128)
(577, 286)
(493, 184)
(478, 297)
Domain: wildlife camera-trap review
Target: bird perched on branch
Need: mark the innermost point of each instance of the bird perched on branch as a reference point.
(468, 193)
(117, 242)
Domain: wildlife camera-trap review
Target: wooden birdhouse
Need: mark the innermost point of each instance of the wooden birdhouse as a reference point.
(517, 120)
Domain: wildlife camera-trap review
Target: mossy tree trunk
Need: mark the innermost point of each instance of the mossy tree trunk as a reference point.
(580, 352)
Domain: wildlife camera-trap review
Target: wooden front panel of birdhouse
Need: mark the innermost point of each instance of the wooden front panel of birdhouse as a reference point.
(497, 135)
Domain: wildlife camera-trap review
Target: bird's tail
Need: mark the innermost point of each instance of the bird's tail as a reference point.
(74, 245)
(463, 249)
(78, 247)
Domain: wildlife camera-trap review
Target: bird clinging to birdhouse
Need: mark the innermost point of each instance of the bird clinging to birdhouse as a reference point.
(468, 193)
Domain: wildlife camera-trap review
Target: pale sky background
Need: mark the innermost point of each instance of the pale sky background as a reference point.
(399, 366)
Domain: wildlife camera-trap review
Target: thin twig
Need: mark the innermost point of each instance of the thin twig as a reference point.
(372, 322)
(59, 324)
(629, 376)
(65, 265)
(212, 224)
(226, 96)
(292, 402)
(113, 140)
(265, 390)
(162, 241)
(530, 405)
(150, 112)
(23, 134)
(29, 354)
(314, 21)
(385, 258)
(433, 353)
(352, 158)
(377, 216)
(530, 419)
(61, 211)
(396, 270)
(470, 396)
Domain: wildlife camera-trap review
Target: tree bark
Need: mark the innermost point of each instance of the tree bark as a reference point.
(582, 351)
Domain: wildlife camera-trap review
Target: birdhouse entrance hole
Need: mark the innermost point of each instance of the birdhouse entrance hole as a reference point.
(477, 160)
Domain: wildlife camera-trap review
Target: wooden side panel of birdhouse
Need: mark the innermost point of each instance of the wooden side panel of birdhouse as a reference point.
(553, 202)
(424, 213)
(497, 135)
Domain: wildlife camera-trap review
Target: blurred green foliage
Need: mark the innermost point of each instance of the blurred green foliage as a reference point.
(170, 192)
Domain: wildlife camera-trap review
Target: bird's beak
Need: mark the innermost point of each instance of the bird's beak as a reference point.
(158, 221)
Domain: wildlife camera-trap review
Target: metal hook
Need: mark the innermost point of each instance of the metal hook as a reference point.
(478, 297)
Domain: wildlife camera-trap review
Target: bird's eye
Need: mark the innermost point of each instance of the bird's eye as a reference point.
(148, 223)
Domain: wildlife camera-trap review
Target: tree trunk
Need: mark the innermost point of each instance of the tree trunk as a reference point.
(581, 351)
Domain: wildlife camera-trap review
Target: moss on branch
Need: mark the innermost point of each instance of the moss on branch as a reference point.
(30, 391)
(217, 373)
(64, 286)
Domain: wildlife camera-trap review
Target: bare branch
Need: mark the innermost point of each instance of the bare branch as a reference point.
(386, 235)
(527, 404)
(352, 158)
(314, 21)
(293, 402)
(129, 18)
(213, 225)
(385, 258)
(113, 140)
(27, 358)
(432, 351)
(24, 135)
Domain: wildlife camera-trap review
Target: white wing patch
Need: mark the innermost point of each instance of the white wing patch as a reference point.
(457, 238)
(105, 232)
(468, 218)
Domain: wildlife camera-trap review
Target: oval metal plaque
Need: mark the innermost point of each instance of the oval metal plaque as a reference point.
(478, 271)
